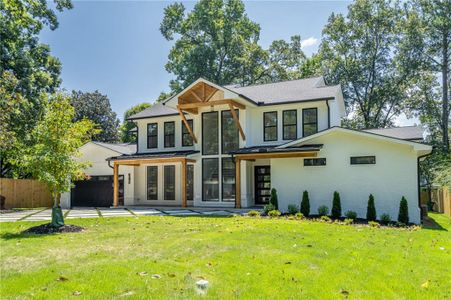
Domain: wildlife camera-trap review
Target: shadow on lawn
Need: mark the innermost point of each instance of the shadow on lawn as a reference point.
(430, 224)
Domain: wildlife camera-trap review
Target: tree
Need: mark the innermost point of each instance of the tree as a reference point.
(274, 199)
(96, 107)
(403, 216)
(371, 209)
(51, 159)
(336, 205)
(126, 136)
(305, 204)
(359, 52)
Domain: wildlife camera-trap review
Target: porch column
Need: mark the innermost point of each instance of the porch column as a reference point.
(237, 182)
(115, 184)
(183, 181)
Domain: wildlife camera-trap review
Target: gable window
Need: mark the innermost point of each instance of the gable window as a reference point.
(363, 160)
(229, 135)
(210, 179)
(169, 182)
(309, 121)
(189, 182)
(228, 179)
(152, 135)
(289, 118)
(169, 134)
(210, 128)
(152, 183)
(187, 139)
(311, 162)
(270, 126)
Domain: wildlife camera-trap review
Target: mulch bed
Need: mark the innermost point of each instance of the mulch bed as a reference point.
(48, 228)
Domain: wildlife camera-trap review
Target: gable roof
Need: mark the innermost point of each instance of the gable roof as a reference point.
(410, 133)
(124, 148)
(156, 110)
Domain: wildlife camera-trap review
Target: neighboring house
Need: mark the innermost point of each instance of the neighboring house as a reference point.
(226, 146)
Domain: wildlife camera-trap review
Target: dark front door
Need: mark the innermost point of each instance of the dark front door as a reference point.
(96, 191)
(262, 184)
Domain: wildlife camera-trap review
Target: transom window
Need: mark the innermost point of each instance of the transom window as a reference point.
(169, 134)
(289, 119)
(169, 182)
(152, 183)
(270, 126)
(309, 121)
(311, 162)
(363, 160)
(187, 139)
(229, 135)
(152, 135)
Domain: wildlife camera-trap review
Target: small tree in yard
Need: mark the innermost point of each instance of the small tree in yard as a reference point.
(305, 204)
(403, 216)
(51, 159)
(336, 206)
(371, 209)
(273, 200)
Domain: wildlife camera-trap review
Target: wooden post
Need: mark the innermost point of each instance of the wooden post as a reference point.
(115, 185)
(237, 183)
(183, 181)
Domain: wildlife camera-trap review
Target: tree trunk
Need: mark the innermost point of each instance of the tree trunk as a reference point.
(57, 213)
(445, 104)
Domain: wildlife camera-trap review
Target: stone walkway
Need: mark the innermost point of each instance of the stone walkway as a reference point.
(92, 212)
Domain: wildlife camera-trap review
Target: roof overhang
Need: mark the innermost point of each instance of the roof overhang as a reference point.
(273, 152)
(149, 158)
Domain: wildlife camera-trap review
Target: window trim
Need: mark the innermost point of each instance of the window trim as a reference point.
(149, 136)
(362, 156)
(165, 135)
(304, 123)
(191, 124)
(315, 159)
(222, 179)
(203, 136)
(202, 178)
(147, 183)
(164, 182)
(295, 124)
(222, 129)
(264, 126)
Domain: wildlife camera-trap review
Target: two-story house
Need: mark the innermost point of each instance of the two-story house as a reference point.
(227, 146)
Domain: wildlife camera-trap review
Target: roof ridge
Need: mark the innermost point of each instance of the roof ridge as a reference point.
(267, 83)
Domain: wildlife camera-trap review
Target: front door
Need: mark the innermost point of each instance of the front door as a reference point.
(262, 184)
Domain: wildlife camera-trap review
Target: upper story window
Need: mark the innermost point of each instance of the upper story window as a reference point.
(309, 121)
(363, 160)
(210, 128)
(187, 139)
(289, 118)
(229, 135)
(310, 162)
(152, 135)
(169, 134)
(270, 126)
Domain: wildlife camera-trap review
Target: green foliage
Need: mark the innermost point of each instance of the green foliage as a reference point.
(305, 204)
(349, 221)
(274, 213)
(126, 126)
(336, 206)
(371, 209)
(274, 199)
(351, 214)
(253, 213)
(268, 207)
(323, 210)
(298, 216)
(403, 216)
(374, 224)
(325, 218)
(385, 219)
(293, 209)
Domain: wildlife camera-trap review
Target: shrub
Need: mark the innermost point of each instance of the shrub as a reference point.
(350, 214)
(403, 216)
(253, 213)
(274, 213)
(323, 210)
(336, 206)
(305, 204)
(349, 221)
(268, 207)
(325, 219)
(292, 209)
(374, 224)
(371, 209)
(299, 216)
(385, 219)
(273, 200)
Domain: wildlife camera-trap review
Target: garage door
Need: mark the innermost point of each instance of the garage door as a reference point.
(97, 192)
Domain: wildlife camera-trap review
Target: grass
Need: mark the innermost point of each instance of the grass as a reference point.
(240, 257)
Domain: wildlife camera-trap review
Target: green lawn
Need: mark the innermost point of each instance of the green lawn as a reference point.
(239, 256)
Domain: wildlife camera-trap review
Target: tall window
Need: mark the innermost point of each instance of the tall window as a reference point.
(309, 121)
(290, 124)
(187, 139)
(190, 182)
(152, 135)
(270, 126)
(169, 182)
(229, 134)
(152, 183)
(169, 134)
(210, 179)
(210, 139)
(228, 179)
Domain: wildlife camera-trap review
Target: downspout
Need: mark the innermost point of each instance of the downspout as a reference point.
(109, 164)
(137, 137)
(418, 179)
(328, 114)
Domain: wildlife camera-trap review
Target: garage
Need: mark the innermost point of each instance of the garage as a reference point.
(97, 191)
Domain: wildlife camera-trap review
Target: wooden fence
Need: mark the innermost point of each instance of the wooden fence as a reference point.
(441, 198)
(24, 193)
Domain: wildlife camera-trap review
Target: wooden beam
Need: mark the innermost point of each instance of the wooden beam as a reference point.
(191, 133)
(196, 96)
(152, 160)
(237, 121)
(115, 185)
(237, 183)
(185, 106)
(209, 96)
(203, 92)
(183, 182)
(249, 156)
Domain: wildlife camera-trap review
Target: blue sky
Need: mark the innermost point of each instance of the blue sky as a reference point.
(116, 46)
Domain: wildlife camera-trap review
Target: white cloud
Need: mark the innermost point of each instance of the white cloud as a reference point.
(311, 41)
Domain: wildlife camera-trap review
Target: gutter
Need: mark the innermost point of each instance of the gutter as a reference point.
(418, 182)
(328, 113)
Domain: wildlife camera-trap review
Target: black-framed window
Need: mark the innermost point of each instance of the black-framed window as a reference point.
(210, 179)
(169, 134)
(187, 139)
(152, 183)
(363, 160)
(270, 126)
(309, 121)
(312, 162)
(229, 132)
(190, 182)
(152, 135)
(228, 179)
(290, 124)
(169, 182)
(210, 132)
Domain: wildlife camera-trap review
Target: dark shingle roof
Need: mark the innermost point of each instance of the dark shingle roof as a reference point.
(156, 110)
(165, 154)
(125, 148)
(410, 133)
